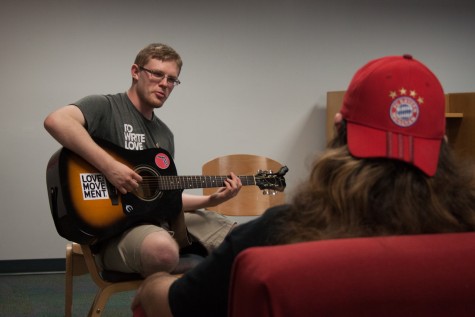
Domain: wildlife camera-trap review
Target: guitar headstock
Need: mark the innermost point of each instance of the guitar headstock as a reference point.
(269, 181)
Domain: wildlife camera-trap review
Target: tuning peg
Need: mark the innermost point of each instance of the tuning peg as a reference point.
(283, 170)
(271, 192)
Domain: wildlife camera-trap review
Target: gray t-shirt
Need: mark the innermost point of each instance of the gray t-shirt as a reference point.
(115, 119)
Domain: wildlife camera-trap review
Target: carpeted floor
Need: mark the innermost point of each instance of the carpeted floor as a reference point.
(42, 295)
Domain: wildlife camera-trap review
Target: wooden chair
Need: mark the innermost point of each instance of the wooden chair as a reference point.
(251, 201)
(80, 261)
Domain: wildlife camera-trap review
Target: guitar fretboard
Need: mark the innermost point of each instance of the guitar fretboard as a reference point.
(190, 182)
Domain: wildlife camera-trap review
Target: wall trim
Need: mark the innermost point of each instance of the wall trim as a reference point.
(32, 266)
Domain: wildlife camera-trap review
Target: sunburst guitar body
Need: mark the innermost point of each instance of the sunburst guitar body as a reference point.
(86, 208)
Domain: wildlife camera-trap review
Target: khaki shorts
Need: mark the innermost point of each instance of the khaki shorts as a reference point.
(123, 252)
(208, 227)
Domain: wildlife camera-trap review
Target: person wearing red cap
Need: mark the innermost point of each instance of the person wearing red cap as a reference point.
(398, 105)
(388, 171)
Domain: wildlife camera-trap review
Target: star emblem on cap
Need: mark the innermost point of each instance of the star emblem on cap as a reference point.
(403, 92)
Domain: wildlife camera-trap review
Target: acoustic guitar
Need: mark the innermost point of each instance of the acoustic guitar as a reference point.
(86, 208)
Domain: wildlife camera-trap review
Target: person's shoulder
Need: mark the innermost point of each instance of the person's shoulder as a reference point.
(116, 96)
(117, 100)
(276, 210)
(261, 230)
(120, 97)
(91, 99)
(267, 219)
(272, 216)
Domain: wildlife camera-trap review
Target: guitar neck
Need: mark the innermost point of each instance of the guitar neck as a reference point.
(190, 182)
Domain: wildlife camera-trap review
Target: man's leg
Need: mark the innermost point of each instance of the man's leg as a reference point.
(144, 249)
(208, 227)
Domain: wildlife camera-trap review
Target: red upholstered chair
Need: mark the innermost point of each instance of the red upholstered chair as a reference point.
(421, 275)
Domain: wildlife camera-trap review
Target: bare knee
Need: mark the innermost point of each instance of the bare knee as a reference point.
(159, 253)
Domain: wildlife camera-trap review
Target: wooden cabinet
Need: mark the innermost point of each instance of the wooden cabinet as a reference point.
(334, 102)
(459, 113)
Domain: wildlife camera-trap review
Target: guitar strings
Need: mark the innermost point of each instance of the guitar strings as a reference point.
(211, 180)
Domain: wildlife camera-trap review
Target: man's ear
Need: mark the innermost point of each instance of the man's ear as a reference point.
(337, 120)
(134, 71)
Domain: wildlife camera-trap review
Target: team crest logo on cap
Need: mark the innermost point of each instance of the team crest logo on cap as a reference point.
(404, 109)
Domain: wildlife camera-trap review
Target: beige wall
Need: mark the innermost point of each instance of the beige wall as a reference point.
(255, 78)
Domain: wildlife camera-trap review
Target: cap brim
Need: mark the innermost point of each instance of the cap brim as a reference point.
(366, 142)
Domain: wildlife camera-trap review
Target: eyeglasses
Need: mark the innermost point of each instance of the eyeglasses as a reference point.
(158, 76)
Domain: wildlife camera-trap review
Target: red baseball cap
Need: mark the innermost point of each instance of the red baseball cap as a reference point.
(395, 108)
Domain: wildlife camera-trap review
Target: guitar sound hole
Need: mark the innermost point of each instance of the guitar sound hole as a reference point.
(148, 189)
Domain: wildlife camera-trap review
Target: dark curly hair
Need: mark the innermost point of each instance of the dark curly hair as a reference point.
(351, 197)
